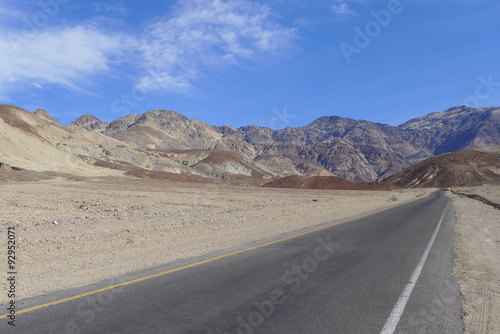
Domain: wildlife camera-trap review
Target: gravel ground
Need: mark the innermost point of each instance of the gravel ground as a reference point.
(477, 265)
(73, 233)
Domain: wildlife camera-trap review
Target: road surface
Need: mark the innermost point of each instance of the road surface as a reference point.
(382, 273)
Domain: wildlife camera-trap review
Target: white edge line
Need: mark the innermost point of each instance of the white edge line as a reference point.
(397, 311)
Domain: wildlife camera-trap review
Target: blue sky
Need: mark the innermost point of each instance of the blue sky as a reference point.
(271, 63)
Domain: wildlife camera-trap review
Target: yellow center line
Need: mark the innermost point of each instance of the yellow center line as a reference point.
(199, 263)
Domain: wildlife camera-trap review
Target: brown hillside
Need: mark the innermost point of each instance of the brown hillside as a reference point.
(18, 118)
(463, 168)
(35, 142)
(323, 183)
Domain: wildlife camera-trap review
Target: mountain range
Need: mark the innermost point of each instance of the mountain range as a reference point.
(163, 143)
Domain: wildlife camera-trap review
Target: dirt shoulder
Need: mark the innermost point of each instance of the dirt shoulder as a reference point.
(68, 231)
(477, 265)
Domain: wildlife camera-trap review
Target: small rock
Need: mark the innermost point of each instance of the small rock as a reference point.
(55, 223)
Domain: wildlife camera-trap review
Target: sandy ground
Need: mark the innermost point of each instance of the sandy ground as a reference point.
(477, 265)
(490, 192)
(69, 231)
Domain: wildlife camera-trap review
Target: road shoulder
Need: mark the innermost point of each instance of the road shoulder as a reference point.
(477, 245)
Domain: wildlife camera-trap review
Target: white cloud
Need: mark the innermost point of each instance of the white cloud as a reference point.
(172, 51)
(116, 8)
(66, 56)
(342, 9)
(200, 34)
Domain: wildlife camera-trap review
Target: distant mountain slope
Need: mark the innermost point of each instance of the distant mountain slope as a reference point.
(456, 129)
(38, 142)
(356, 150)
(367, 151)
(166, 129)
(323, 183)
(463, 168)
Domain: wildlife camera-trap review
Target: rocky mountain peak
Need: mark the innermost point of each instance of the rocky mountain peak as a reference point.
(42, 113)
(86, 118)
(121, 124)
(226, 129)
(161, 116)
(328, 120)
(89, 122)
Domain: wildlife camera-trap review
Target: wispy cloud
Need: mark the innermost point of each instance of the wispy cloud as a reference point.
(106, 8)
(171, 52)
(202, 34)
(66, 56)
(342, 9)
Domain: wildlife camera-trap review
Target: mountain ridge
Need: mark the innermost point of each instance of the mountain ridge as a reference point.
(356, 150)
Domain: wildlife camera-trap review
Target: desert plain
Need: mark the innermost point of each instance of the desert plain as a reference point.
(79, 230)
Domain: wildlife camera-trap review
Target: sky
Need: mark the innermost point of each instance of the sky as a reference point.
(274, 63)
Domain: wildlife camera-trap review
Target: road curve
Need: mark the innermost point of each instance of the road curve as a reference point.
(345, 278)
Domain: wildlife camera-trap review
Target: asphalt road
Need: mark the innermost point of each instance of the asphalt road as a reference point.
(347, 278)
